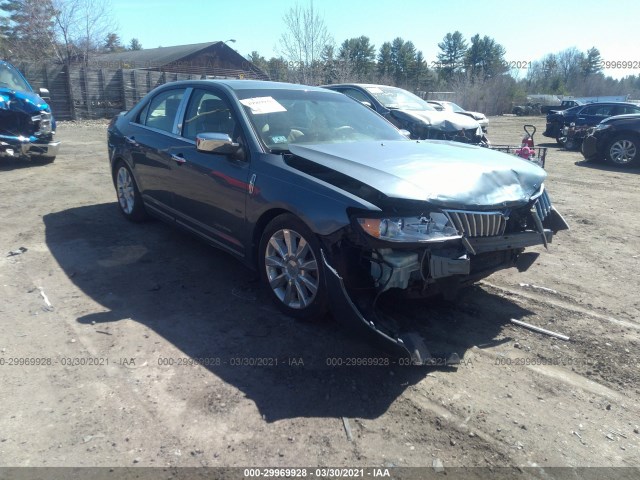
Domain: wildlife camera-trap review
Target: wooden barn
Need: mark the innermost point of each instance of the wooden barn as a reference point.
(211, 59)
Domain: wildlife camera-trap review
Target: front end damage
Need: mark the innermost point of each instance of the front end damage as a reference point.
(25, 135)
(469, 246)
(27, 128)
(428, 125)
(435, 217)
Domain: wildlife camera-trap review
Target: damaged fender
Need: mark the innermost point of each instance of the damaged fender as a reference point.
(26, 124)
(409, 346)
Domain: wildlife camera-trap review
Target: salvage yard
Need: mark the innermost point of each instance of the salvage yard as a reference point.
(138, 345)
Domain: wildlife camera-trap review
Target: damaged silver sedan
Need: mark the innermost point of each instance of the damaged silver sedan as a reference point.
(27, 127)
(328, 201)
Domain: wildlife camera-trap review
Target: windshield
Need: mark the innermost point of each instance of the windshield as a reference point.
(455, 107)
(281, 117)
(392, 97)
(11, 78)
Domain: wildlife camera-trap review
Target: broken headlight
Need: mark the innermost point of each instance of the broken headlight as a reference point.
(424, 228)
(45, 122)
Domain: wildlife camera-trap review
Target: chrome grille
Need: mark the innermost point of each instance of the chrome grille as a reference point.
(477, 224)
(543, 205)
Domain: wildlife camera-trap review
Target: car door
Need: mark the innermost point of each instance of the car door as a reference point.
(594, 114)
(152, 141)
(210, 189)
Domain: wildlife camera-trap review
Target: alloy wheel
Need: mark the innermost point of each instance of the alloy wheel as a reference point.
(622, 151)
(126, 190)
(292, 269)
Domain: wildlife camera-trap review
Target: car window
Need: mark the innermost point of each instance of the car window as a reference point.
(598, 110)
(392, 97)
(207, 112)
(356, 95)
(456, 108)
(283, 116)
(626, 109)
(9, 77)
(163, 109)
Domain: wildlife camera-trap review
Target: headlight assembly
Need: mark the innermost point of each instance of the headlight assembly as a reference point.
(425, 228)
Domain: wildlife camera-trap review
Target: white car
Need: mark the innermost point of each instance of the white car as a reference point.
(481, 118)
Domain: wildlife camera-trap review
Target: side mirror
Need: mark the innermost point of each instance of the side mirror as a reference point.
(45, 95)
(406, 133)
(220, 143)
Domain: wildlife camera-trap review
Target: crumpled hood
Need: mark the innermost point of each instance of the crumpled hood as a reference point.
(445, 121)
(447, 174)
(21, 101)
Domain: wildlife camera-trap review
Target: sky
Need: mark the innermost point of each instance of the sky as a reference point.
(527, 30)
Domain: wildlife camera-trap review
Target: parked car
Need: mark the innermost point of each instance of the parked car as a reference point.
(589, 115)
(409, 112)
(616, 139)
(327, 200)
(564, 105)
(27, 127)
(529, 108)
(442, 105)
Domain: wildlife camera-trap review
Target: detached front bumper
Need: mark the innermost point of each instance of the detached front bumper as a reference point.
(437, 269)
(407, 346)
(552, 129)
(590, 147)
(22, 147)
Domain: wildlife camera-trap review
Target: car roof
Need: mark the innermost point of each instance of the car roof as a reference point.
(361, 85)
(234, 84)
(627, 104)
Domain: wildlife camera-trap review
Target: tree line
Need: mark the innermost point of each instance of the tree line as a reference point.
(71, 31)
(475, 69)
(66, 30)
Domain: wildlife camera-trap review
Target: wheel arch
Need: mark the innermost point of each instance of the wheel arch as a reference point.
(259, 228)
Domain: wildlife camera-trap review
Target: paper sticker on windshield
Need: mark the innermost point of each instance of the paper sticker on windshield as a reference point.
(374, 90)
(279, 139)
(259, 105)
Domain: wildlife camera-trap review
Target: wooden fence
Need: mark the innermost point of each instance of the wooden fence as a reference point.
(91, 93)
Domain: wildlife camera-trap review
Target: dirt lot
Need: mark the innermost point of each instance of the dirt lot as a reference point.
(115, 313)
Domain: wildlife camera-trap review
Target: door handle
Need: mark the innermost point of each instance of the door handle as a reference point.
(179, 159)
(131, 140)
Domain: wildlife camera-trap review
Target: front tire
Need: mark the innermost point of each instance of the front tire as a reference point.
(291, 268)
(129, 198)
(623, 151)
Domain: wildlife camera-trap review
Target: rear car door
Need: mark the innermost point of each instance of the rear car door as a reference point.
(626, 109)
(594, 114)
(210, 189)
(152, 140)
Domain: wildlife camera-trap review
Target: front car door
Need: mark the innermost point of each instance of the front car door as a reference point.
(211, 189)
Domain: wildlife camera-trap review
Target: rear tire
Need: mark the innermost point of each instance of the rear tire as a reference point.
(623, 151)
(129, 198)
